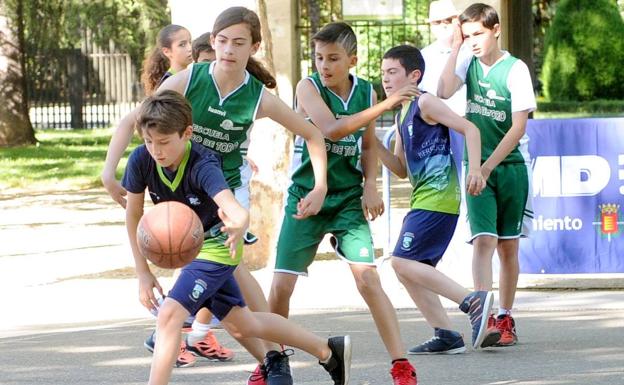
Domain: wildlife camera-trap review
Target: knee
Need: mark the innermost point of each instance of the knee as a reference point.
(397, 265)
(368, 282)
(281, 291)
(167, 318)
(243, 330)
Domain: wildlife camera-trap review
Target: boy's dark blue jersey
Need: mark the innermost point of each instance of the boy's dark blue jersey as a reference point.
(196, 181)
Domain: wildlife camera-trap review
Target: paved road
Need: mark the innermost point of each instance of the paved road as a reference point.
(556, 347)
(62, 323)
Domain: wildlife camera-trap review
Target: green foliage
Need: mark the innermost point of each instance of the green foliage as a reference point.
(60, 25)
(584, 52)
(374, 37)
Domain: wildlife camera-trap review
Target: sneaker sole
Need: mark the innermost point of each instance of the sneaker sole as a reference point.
(187, 365)
(148, 347)
(447, 352)
(490, 340)
(487, 307)
(498, 344)
(346, 359)
(211, 359)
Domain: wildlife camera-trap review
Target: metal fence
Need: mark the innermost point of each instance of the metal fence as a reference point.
(87, 87)
(374, 37)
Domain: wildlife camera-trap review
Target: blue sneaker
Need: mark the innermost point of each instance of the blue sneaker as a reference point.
(278, 368)
(478, 306)
(443, 342)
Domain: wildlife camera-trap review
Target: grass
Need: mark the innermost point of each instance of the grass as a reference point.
(62, 160)
(73, 159)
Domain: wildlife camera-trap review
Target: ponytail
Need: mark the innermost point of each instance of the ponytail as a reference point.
(156, 63)
(261, 73)
(155, 66)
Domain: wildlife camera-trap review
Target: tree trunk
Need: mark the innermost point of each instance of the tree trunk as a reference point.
(15, 126)
(270, 150)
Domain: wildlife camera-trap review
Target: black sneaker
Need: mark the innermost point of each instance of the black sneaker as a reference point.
(278, 368)
(443, 342)
(478, 306)
(339, 364)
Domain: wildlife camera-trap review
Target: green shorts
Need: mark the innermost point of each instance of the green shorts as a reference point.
(503, 209)
(341, 215)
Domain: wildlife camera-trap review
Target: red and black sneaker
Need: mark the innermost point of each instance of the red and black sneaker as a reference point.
(210, 349)
(507, 327)
(403, 373)
(258, 376)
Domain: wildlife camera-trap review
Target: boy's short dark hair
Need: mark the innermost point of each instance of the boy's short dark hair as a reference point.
(202, 44)
(167, 112)
(410, 58)
(480, 13)
(339, 33)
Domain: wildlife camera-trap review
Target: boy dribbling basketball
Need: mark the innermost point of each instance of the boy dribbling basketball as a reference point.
(174, 169)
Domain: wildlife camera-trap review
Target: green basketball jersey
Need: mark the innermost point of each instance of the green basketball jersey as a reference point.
(222, 122)
(344, 169)
(489, 106)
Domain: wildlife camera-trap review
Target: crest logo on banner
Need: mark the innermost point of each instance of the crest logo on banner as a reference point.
(609, 223)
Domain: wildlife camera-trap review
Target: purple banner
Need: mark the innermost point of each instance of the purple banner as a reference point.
(578, 197)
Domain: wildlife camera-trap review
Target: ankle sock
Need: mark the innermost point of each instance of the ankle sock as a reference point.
(199, 332)
(502, 311)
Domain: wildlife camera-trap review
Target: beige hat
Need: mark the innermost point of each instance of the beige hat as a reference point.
(441, 9)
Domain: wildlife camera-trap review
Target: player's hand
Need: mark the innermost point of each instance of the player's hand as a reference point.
(475, 182)
(147, 284)
(408, 92)
(458, 36)
(234, 230)
(486, 171)
(372, 204)
(311, 204)
(114, 189)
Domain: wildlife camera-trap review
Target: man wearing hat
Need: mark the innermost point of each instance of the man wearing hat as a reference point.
(441, 16)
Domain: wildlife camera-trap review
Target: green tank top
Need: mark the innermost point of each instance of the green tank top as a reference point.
(222, 122)
(489, 106)
(344, 168)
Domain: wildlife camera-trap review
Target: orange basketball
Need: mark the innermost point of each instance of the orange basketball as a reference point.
(170, 235)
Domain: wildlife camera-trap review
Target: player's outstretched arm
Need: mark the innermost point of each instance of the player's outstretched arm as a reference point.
(271, 106)
(394, 162)
(118, 144)
(235, 219)
(147, 280)
(334, 129)
(372, 204)
(123, 135)
(433, 109)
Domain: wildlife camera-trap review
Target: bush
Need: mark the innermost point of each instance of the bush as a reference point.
(584, 52)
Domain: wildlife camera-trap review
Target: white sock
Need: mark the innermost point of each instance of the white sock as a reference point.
(502, 311)
(198, 333)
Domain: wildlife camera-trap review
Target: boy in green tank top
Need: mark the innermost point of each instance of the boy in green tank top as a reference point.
(499, 99)
(344, 108)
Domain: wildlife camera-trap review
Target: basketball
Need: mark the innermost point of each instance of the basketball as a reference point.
(170, 235)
